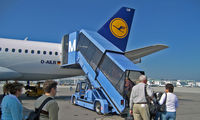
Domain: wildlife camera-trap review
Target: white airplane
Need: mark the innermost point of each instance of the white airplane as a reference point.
(29, 60)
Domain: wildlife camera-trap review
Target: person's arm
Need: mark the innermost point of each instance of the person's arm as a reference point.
(149, 91)
(176, 102)
(131, 100)
(53, 111)
(162, 99)
(15, 109)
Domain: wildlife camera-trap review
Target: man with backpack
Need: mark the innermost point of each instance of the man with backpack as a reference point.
(139, 106)
(46, 106)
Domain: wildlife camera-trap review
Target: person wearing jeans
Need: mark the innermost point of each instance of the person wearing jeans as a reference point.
(171, 103)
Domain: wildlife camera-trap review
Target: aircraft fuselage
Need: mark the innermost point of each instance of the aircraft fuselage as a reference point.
(30, 60)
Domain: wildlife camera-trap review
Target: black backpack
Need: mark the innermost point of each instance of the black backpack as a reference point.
(36, 114)
(1, 102)
(153, 107)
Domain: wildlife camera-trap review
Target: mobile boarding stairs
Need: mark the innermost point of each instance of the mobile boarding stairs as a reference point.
(101, 56)
(106, 68)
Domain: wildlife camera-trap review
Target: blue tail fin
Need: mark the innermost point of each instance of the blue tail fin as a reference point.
(117, 29)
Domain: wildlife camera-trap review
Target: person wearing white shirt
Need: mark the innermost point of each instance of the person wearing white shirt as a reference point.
(138, 103)
(171, 103)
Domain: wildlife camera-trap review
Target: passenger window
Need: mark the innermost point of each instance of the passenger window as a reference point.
(32, 51)
(56, 53)
(6, 49)
(44, 52)
(38, 52)
(20, 50)
(50, 53)
(26, 51)
(13, 50)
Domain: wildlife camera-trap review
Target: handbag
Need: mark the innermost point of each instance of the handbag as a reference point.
(162, 108)
(36, 114)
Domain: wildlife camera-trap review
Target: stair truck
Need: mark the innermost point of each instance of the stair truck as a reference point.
(101, 57)
(106, 68)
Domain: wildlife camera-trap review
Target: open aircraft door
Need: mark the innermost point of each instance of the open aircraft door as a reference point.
(69, 48)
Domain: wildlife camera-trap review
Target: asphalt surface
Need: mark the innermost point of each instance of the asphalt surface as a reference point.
(189, 105)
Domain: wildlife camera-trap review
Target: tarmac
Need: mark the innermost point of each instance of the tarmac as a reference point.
(189, 105)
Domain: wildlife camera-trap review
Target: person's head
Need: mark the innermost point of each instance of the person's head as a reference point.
(6, 88)
(50, 87)
(127, 79)
(16, 88)
(169, 88)
(143, 79)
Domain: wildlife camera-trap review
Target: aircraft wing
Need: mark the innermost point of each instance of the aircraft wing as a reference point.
(141, 52)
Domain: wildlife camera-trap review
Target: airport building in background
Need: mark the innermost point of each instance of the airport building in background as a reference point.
(72, 81)
(176, 83)
(152, 82)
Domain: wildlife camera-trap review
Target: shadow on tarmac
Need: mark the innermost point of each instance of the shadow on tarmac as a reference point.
(24, 97)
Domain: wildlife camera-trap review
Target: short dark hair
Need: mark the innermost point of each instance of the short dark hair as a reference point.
(170, 87)
(14, 87)
(48, 85)
(6, 87)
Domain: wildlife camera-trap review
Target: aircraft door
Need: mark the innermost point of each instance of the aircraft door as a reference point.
(64, 56)
(69, 48)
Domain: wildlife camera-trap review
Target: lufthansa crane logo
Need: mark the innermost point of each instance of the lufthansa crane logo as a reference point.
(119, 28)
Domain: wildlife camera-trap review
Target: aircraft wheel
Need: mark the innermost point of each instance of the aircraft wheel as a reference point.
(98, 108)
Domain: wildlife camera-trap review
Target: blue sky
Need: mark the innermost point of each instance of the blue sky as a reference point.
(175, 23)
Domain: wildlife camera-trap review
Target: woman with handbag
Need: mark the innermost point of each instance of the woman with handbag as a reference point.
(170, 100)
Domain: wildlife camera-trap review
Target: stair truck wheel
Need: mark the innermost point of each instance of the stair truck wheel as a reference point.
(74, 101)
(98, 108)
